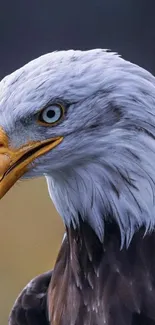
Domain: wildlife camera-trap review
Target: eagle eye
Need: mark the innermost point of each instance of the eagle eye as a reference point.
(51, 114)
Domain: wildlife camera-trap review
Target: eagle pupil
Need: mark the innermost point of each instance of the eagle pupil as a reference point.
(50, 113)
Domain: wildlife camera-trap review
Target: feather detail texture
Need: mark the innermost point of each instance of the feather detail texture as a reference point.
(96, 284)
(30, 308)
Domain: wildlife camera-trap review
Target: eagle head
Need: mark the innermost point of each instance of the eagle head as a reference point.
(86, 121)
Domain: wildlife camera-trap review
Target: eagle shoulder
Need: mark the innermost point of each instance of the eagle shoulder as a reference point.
(30, 308)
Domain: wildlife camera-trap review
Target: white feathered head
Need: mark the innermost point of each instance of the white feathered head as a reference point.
(85, 120)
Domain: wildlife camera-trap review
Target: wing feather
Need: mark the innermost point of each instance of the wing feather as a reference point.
(30, 307)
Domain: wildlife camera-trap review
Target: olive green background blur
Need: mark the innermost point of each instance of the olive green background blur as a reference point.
(30, 236)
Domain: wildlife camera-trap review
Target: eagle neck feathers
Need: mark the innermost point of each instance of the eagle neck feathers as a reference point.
(97, 283)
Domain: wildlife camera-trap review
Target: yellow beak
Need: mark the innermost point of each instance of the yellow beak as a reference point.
(14, 162)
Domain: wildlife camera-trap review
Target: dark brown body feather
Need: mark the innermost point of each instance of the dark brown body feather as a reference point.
(93, 284)
(30, 307)
(96, 284)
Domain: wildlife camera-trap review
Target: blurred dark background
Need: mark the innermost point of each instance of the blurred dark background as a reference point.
(29, 28)
(30, 229)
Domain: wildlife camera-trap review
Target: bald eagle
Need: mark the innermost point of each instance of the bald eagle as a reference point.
(86, 121)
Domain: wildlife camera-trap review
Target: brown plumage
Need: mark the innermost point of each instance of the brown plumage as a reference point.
(101, 284)
(94, 284)
(30, 307)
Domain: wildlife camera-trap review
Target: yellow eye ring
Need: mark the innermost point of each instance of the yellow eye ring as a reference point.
(51, 114)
